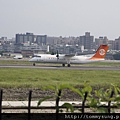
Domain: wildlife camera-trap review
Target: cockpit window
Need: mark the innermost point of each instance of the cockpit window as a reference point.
(37, 56)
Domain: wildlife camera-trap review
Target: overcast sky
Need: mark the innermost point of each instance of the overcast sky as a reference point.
(60, 17)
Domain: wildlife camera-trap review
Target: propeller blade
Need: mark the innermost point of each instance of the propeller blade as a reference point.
(57, 55)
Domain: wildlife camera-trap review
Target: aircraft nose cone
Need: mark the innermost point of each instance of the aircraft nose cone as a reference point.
(31, 60)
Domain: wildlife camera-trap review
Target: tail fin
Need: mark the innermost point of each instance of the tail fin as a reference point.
(100, 53)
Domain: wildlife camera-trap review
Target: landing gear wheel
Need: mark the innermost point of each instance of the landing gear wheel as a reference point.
(68, 65)
(63, 65)
(33, 64)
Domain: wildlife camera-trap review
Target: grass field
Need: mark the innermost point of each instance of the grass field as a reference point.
(14, 61)
(35, 78)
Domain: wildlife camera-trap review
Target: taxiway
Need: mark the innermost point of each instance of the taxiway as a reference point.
(59, 67)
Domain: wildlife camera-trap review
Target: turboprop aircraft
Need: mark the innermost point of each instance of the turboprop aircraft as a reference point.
(69, 59)
(18, 56)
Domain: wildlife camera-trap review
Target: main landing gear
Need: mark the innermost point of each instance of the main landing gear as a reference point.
(68, 65)
(64, 65)
(33, 64)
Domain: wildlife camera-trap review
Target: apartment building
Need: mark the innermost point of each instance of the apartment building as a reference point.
(101, 40)
(86, 41)
(30, 38)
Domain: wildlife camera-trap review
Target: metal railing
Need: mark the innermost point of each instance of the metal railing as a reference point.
(56, 107)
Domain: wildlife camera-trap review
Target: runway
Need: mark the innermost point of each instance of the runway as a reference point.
(62, 68)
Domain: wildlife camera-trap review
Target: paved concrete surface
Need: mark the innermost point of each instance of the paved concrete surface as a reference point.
(34, 103)
(45, 103)
(14, 104)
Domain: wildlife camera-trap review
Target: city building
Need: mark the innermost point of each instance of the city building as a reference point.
(117, 44)
(24, 38)
(30, 38)
(28, 44)
(86, 41)
(40, 39)
(101, 40)
(111, 44)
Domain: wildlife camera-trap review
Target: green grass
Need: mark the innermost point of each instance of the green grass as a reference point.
(36, 78)
(27, 78)
(14, 62)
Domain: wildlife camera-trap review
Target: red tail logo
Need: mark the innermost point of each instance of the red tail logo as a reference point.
(102, 52)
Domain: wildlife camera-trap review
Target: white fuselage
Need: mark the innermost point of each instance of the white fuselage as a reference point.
(47, 58)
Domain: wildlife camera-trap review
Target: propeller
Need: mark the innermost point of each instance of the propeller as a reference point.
(57, 55)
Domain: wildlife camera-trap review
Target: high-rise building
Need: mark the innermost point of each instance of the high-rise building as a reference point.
(31, 38)
(41, 39)
(87, 40)
(117, 44)
(19, 39)
(24, 38)
(101, 41)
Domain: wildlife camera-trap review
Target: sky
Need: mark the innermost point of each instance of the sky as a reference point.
(60, 17)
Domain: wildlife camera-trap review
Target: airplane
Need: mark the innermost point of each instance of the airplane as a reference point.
(71, 59)
(18, 57)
